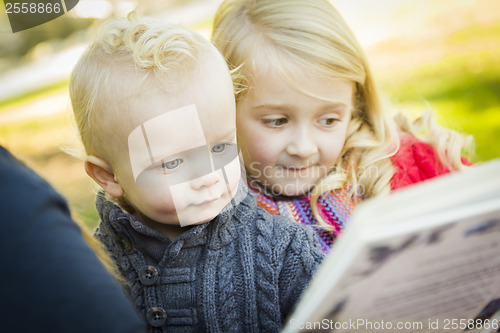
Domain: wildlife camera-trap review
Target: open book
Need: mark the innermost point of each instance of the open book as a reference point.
(423, 259)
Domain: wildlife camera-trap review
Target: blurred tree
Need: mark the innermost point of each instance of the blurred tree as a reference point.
(14, 46)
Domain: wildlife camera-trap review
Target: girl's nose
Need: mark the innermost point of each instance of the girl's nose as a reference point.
(302, 144)
(205, 181)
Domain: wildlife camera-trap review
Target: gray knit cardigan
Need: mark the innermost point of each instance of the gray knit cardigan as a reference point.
(241, 272)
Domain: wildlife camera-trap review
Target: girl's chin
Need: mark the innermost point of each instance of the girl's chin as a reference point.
(296, 193)
(293, 188)
(290, 190)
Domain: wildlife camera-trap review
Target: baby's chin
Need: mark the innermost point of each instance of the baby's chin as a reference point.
(198, 222)
(205, 212)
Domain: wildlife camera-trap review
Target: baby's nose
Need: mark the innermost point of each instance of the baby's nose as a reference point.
(205, 181)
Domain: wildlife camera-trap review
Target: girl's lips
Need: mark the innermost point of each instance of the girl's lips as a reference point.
(294, 168)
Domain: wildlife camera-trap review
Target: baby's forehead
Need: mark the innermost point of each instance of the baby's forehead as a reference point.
(176, 130)
(175, 133)
(175, 116)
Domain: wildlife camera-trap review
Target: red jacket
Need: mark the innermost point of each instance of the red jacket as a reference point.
(416, 161)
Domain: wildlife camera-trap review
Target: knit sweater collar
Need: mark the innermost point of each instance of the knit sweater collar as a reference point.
(217, 232)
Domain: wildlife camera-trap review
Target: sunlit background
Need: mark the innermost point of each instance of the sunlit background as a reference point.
(443, 55)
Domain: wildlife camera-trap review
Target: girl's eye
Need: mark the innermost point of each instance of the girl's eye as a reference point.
(328, 121)
(219, 148)
(278, 122)
(171, 165)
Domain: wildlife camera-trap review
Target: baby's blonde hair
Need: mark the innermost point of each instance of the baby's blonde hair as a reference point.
(313, 36)
(130, 56)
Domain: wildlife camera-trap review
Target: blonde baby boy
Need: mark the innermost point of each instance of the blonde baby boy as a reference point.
(155, 109)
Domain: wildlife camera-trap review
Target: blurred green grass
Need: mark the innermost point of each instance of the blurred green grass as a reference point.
(32, 95)
(463, 89)
(464, 92)
(42, 143)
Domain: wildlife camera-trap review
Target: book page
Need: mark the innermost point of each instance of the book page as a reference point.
(444, 278)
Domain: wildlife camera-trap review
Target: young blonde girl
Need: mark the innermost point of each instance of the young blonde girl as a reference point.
(313, 133)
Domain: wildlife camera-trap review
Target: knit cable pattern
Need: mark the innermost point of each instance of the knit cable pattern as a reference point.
(241, 272)
(266, 277)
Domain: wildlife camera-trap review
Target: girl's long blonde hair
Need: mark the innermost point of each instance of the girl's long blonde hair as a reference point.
(312, 35)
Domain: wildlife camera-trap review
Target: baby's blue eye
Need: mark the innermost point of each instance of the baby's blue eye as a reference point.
(278, 122)
(219, 148)
(170, 165)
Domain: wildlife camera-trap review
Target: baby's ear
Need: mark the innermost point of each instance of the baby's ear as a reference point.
(100, 171)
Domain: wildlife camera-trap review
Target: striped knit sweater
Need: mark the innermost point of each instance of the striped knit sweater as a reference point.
(241, 272)
(335, 208)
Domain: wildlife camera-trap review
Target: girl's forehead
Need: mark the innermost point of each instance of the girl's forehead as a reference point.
(298, 79)
(293, 64)
(288, 68)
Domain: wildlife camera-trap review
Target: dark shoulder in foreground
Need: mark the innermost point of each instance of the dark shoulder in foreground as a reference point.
(59, 284)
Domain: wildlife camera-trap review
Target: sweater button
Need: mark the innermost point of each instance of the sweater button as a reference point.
(148, 275)
(156, 316)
